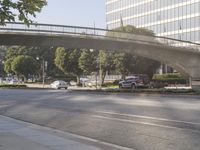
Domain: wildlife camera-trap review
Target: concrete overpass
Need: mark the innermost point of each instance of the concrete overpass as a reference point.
(184, 56)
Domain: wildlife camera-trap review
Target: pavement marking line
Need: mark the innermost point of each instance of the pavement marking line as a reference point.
(147, 117)
(100, 142)
(138, 122)
(35, 126)
(3, 106)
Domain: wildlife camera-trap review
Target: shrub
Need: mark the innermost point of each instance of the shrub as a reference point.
(108, 84)
(12, 86)
(171, 78)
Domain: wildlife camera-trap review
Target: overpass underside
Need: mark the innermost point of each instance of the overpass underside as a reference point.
(184, 60)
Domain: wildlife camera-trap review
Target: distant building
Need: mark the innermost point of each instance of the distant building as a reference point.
(179, 19)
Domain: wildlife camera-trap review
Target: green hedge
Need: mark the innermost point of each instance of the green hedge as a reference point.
(108, 84)
(156, 91)
(169, 78)
(13, 86)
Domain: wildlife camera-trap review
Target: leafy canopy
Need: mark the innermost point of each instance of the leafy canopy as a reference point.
(88, 61)
(22, 9)
(24, 65)
(127, 63)
(67, 60)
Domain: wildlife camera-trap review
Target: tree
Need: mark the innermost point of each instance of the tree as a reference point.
(127, 63)
(135, 30)
(106, 62)
(22, 9)
(2, 56)
(92, 61)
(46, 53)
(14, 51)
(8, 66)
(129, 29)
(24, 66)
(88, 61)
(124, 63)
(67, 61)
(145, 66)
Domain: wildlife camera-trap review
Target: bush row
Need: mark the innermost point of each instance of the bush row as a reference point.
(170, 78)
(12, 86)
(109, 84)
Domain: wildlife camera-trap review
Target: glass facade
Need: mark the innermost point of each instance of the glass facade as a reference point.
(179, 19)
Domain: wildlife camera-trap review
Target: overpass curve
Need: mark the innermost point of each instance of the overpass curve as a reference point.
(184, 56)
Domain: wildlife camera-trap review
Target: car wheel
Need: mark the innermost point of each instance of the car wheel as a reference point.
(66, 88)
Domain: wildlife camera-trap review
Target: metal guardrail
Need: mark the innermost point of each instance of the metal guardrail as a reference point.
(96, 32)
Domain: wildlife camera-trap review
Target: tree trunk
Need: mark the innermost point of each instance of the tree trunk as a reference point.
(77, 80)
(123, 76)
(103, 78)
(25, 79)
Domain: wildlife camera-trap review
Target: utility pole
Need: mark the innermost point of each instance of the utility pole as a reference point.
(94, 28)
(44, 65)
(43, 72)
(100, 72)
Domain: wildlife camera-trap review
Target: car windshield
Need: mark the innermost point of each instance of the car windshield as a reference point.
(99, 74)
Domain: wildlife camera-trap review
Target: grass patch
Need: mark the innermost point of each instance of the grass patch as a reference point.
(156, 91)
(167, 91)
(13, 86)
(110, 85)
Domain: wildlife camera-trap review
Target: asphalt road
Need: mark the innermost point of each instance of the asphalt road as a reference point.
(132, 121)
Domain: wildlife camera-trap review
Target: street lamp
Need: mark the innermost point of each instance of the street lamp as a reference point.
(100, 71)
(1, 68)
(44, 65)
(98, 60)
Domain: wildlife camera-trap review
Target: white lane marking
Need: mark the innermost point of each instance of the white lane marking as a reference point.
(101, 142)
(3, 106)
(147, 117)
(153, 103)
(136, 122)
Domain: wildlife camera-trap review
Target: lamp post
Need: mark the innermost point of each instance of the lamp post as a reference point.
(1, 67)
(98, 60)
(44, 65)
(100, 71)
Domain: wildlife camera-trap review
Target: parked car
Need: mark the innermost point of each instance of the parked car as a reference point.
(59, 84)
(72, 83)
(83, 80)
(14, 81)
(91, 83)
(135, 81)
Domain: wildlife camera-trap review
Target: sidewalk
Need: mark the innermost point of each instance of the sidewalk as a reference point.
(48, 86)
(38, 85)
(18, 135)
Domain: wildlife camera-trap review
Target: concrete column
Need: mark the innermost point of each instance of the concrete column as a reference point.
(160, 70)
(166, 68)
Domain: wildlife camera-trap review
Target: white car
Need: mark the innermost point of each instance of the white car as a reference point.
(14, 81)
(91, 83)
(59, 84)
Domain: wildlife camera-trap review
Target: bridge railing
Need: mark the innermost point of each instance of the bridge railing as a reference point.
(95, 32)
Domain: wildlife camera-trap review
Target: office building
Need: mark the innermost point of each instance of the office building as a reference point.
(179, 19)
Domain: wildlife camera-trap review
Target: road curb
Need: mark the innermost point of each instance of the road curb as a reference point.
(67, 134)
(138, 93)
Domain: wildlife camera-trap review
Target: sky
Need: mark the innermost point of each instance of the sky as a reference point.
(74, 12)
